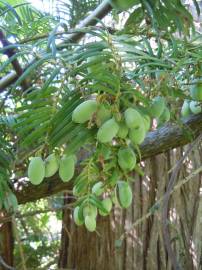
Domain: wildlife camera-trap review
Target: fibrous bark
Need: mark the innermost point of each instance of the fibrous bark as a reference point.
(158, 141)
(6, 244)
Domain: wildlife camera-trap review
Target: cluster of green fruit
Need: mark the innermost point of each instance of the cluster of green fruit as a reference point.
(134, 124)
(38, 168)
(86, 212)
(121, 131)
(193, 106)
(189, 107)
(159, 110)
(126, 129)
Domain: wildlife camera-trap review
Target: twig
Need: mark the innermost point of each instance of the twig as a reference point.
(65, 32)
(5, 265)
(10, 53)
(170, 186)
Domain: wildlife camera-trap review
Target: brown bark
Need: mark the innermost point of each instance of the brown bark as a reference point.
(87, 250)
(143, 248)
(65, 237)
(156, 142)
(6, 244)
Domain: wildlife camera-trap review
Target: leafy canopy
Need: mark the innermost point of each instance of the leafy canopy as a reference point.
(148, 66)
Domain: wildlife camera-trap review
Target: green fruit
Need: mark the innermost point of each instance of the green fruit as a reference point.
(147, 122)
(157, 107)
(114, 178)
(90, 223)
(107, 205)
(10, 202)
(133, 118)
(51, 165)
(90, 210)
(123, 131)
(102, 115)
(76, 217)
(185, 111)
(137, 135)
(107, 131)
(84, 111)
(196, 91)
(36, 170)
(124, 194)
(67, 167)
(126, 159)
(97, 189)
(195, 107)
(165, 116)
(124, 4)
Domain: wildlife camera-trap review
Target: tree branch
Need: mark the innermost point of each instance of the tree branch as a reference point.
(99, 13)
(15, 63)
(156, 142)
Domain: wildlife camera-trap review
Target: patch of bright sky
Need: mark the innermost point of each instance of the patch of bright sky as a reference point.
(43, 5)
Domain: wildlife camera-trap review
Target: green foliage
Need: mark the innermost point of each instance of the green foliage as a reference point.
(39, 237)
(129, 74)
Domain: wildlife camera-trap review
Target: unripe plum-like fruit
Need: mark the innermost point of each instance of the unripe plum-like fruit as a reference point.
(76, 217)
(123, 131)
(108, 131)
(196, 91)
(10, 202)
(195, 107)
(84, 111)
(97, 189)
(90, 223)
(147, 122)
(157, 106)
(67, 167)
(51, 165)
(126, 159)
(36, 170)
(124, 194)
(137, 135)
(107, 205)
(90, 210)
(133, 118)
(102, 115)
(185, 111)
(165, 116)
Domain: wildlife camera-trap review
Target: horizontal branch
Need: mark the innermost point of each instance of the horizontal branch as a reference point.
(99, 13)
(158, 141)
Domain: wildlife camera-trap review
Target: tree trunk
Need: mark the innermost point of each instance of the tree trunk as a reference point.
(143, 248)
(6, 244)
